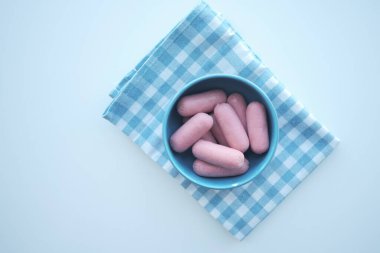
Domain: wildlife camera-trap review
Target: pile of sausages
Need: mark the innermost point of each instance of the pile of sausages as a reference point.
(220, 130)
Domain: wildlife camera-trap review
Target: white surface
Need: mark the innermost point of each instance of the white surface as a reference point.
(72, 182)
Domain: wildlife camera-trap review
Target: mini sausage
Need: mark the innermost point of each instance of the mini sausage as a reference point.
(217, 133)
(231, 127)
(257, 128)
(218, 155)
(191, 131)
(208, 136)
(205, 169)
(200, 102)
(237, 102)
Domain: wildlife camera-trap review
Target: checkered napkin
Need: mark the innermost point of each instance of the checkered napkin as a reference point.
(204, 43)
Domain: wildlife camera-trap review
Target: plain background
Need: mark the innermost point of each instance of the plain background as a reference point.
(72, 182)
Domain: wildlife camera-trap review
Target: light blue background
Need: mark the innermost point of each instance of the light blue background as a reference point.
(72, 182)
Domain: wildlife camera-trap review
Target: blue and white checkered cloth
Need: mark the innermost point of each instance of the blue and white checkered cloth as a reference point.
(204, 43)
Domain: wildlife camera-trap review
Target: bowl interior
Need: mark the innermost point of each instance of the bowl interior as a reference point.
(230, 84)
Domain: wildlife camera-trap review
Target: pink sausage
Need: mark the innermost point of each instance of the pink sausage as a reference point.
(208, 136)
(239, 105)
(200, 102)
(191, 131)
(257, 128)
(204, 169)
(218, 134)
(231, 126)
(218, 155)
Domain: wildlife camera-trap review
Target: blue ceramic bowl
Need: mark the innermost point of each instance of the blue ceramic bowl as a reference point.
(183, 162)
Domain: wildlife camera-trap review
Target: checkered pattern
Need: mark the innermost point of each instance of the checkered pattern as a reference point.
(204, 43)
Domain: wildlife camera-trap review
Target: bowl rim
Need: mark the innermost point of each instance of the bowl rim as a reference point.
(274, 137)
